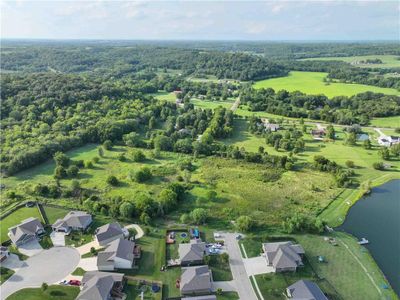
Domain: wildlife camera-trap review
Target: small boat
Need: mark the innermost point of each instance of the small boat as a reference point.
(363, 241)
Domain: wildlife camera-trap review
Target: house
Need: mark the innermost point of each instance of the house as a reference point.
(107, 233)
(305, 290)
(4, 253)
(101, 286)
(206, 297)
(28, 230)
(388, 141)
(318, 134)
(74, 220)
(269, 126)
(283, 256)
(196, 281)
(192, 253)
(119, 254)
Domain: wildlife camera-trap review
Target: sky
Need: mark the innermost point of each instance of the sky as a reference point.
(201, 20)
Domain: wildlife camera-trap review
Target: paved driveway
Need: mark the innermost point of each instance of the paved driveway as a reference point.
(49, 266)
(226, 286)
(242, 280)
(58, 239)
(257, 265)
(88, 264)
(31, 248)
(86, 248)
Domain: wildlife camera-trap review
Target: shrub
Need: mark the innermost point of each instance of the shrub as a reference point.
(350, 164)
(244, 223)
(138, 156)
(378, 166)
(88, 164)
(142, 175)
(199, 215)
(107, 145)
(96, 159)
(72, 171)
(121, 157)
(112, 180)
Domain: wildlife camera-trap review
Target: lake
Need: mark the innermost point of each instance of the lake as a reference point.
(377, 218)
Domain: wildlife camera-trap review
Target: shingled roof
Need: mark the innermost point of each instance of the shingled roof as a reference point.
(75, 219)
(195, 279)
(108, 231)
(98, 285)
(28, 227)
(305, 290)
(283, 254)
(119, 248)
(193, 251)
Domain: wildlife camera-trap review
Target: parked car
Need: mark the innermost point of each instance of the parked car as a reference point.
(74, 282)
(30, 204)
(238, 237)
(64, 282)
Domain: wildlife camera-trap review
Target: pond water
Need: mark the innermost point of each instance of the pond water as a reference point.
(377, 218)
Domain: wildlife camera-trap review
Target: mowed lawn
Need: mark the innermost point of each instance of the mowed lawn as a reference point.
(15, 218)
(53, 292)
(54, 213)
(312, 83)
(393, 122)
(388, 61)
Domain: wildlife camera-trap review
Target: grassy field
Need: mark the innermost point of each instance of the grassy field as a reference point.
(388, 61)
(311, 83)
(16, 217)
(341, 270)
(53, 292)
(393, 122)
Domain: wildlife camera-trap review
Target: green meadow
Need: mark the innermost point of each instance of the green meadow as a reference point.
(388, 61)
(312, 83)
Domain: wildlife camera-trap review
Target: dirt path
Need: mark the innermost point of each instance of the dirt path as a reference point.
(235, 105)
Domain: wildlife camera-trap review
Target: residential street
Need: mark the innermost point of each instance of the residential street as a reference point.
(50, 266)
(240, 277)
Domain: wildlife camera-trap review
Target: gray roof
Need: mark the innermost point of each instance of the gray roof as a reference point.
(192, 251)
(305, 290)
(195, 278)
(120, 248)
(98, 285)
(283, 254)
(30, 226)
(108, 231)
(74, 218)
(206, 297)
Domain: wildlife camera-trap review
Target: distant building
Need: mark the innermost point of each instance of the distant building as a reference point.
(74, 220)
(196, 281)
(28, 230)
(107, 233)
(102, 286)
(305, 290)
(119, 254)
(269, 126)
(318, 134)
(192, 253)
(283, 256)
(388, 141)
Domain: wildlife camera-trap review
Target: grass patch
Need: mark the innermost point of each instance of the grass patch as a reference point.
(221, 270)
(53, 292)
(388, 61)
(5, 274)
(393, 122)
(228, 296)
(54, 213)
(90, 254)
(312, 83)
(15, 218)
(79, 272)
(45, 242)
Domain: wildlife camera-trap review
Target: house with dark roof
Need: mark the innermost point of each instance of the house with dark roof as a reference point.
(107, 233)
(196, 281)
(4, 253)
(192, 253)
(74, 220)
(305, 290)
(101, 286)
(283, 256)
(28, 230)
(119, 254)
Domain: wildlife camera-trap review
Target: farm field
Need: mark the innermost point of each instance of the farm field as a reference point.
(312, 83)
(388, 61)
(15, 218)
(338, 262)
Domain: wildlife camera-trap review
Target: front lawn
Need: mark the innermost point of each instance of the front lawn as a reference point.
(79, 272)
(15, 218)
(228, 296)
(91, 254)
(5, 274)
(220, 268)
(53, 292)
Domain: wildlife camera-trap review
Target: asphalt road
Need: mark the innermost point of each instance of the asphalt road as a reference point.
(50, 266)
(240, 277)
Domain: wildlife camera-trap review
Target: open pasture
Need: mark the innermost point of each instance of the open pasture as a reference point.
(388, 61)
(312, 83)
